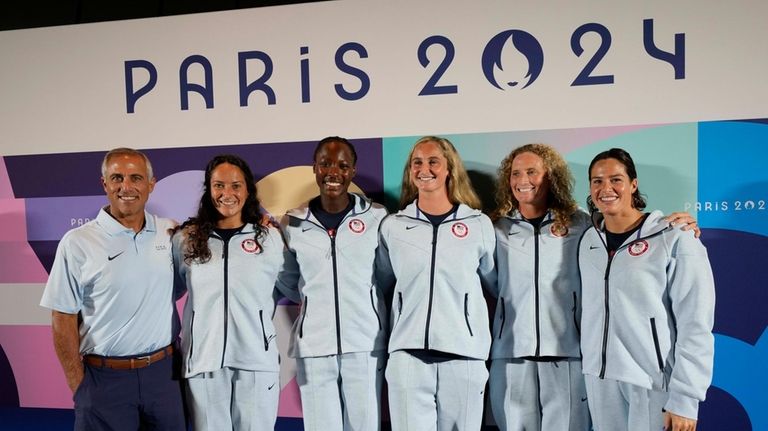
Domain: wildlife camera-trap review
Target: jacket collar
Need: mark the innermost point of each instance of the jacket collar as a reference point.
(463, 211)
(361, 205)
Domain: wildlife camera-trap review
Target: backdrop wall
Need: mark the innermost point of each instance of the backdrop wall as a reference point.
(680, 85)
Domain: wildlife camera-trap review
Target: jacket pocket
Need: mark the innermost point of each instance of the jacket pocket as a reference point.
(373, 306)
(575, 313)
(466, 314)
(503, 315)
(656, 344)
(264, 331)
(399, 308)
(191, 341)
(303, 317)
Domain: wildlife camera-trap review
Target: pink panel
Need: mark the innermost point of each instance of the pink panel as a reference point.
(290, 401)
(13, 222)
(38, 374)
(19, 264)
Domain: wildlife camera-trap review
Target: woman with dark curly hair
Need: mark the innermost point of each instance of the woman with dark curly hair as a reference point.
(536, 381)
(227, 258)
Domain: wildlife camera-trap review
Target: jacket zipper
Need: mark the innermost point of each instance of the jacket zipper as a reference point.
(263, 331)
(225, 256)
(303, 317)
(604, 353)
(431, 286)
(332, 235)
(191, 341)
(575, 318)
(536, 232)
(656, 344)
(503, 315)
(466, 313)
(373, 305)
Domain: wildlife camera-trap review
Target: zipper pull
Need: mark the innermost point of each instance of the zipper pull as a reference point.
(332, 233)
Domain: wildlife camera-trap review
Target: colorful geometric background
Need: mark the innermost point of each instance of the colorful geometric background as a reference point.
(713, 170)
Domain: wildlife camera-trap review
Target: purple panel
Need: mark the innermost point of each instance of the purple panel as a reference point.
(77, 174)
(50, 218)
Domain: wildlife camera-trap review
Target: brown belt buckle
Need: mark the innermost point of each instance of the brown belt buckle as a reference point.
(147, 359)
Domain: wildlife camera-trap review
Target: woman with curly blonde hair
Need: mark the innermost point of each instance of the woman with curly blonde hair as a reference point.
(536, 381)
(437, 252)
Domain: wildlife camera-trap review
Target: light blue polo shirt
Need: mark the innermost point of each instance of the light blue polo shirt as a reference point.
(121, 282)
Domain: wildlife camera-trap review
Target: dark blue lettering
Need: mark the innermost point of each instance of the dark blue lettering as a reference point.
(676, 59)
(365, 81)
(131, 97)
(185, 87)
(259, 84)
(304, 50)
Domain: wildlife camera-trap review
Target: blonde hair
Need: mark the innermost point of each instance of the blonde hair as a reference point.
(559, 196)
(458, 184)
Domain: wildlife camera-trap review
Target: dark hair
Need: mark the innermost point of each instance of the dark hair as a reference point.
(623, 157)
(199, 228)
(340, 140)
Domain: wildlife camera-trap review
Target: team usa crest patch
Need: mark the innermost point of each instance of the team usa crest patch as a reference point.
(558, 230)
(250, 246)
(638, 247)
(459, 230)
(356, 225)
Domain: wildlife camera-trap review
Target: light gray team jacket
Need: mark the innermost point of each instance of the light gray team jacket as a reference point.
(648, 312)
(331, 274)
(539, 290)
(438, 275)
(230, 303)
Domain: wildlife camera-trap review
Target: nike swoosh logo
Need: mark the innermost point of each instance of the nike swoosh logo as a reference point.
(270, 388)
(111, 258)
(513, 233)
(592, 247)
(583, 399)
(379, 369)
(409, 227)
(304, 229)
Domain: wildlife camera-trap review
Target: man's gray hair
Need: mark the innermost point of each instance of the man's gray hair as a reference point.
(123, 151)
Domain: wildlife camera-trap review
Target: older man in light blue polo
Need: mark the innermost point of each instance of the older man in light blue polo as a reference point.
(111, 294)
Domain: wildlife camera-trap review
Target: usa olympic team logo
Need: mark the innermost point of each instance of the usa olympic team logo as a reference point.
(250, 246)
(459, 230)
(356, 225)
(558, 230)
(638, 247)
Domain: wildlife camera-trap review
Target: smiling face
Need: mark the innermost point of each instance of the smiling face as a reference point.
(429, 168)
(611, 188)
(228, 193)
(334, 169)
(529, 184)
(127, 184)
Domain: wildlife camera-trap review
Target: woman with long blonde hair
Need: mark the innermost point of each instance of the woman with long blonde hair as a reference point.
(437, 252)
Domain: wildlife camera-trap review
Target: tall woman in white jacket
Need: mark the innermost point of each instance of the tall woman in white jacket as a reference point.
(339, 339)
(437, 251)
(227, 258)
(648, 308)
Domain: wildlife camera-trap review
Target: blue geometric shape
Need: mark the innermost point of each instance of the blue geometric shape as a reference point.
(740, 370)
(733, 181)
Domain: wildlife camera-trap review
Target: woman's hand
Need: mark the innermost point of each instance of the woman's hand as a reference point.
(673, 422)
(687, 219)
